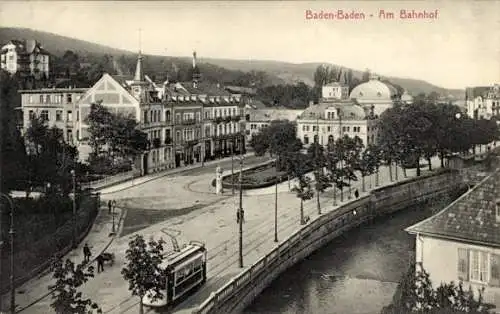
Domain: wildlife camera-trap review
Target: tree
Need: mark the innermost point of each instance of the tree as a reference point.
(415, 294)
(334, 173)
(259, 143)
(316, 155)
(367, 164)
(66, 299)
(298, 169)
(143, 271)
(350, 150)
(12, 150)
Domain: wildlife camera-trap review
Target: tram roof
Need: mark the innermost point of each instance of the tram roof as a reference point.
(179, 256)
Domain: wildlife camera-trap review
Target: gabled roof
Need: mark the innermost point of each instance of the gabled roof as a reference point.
(27, 46)
(471, 218)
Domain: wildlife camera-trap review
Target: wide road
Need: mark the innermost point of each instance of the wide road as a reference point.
(211, 219)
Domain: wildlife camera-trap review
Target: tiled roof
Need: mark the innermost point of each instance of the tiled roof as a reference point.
(274, 114)
(204, 88)
(241, 89)
(471, 218)
(349, 110)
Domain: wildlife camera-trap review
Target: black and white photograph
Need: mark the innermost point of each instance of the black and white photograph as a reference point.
(254, 157)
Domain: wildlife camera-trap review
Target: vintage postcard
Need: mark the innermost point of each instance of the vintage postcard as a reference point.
(249, 157)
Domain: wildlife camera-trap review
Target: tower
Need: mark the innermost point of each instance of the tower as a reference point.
(196, 71)
(139, 84)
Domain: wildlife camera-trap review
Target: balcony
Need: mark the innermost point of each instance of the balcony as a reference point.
(236, 118)
(218, 120)
(188, 121)
(168, 140)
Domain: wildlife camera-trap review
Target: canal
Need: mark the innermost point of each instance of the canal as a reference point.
(356, 273)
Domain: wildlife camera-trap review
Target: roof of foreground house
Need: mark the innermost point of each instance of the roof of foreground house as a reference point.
(471, 218)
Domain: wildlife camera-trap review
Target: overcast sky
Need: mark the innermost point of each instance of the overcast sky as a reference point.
(460, 48)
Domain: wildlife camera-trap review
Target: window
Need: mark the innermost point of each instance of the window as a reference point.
(206, 115)
(198, 118)
(31, 115)
(303, 128)
(41, 99)
(329, 128)
(59, 114)
(478, 266)
(69, 98)
(77, 115)
(145, 116)
(306, 139)
(167, 116)
(30, 99)
(314, 128)
(463, 264)
(70, 116)
(178, 136)
(497, 210)
(44, 115)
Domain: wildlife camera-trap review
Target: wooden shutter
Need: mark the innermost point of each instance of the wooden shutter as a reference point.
(495, 270)
(463, 264)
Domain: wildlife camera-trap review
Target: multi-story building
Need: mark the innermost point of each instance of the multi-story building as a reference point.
(375, 95)
(28, 58)
(57, 106)
(336, 116)
(137, 98)
(257, 119)
(483, 102)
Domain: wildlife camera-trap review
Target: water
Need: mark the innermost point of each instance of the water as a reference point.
(356, 273)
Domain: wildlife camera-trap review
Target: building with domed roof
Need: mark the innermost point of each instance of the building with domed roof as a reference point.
(375, 94)
(327, 121)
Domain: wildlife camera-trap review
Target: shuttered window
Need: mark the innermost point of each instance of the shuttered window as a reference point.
(463, 264)
(495, 270)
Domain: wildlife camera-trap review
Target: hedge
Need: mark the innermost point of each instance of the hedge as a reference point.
(35, 258)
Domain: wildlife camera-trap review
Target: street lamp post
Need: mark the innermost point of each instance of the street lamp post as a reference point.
(241, 214)
(73, 176)
(113, 205)
(11, 233)
(276, 202)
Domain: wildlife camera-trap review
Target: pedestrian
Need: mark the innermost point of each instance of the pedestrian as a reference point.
(243, 215)
(238, 216)
(100, 263)
(356, 193)
(109, 206)
(86, 252)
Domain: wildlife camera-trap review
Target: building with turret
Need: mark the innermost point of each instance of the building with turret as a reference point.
(483, 102)
(27, 58)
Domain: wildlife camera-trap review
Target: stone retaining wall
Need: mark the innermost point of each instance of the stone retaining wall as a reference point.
(242, 289)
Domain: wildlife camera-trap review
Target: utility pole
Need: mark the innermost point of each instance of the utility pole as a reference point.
(241, 214)
(73, 176)
(232, 167)
(276, 201)
(316, 148)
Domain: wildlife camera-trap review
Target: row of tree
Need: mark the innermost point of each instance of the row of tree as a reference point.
(425, 129)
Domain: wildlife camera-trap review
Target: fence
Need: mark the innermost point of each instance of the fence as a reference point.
(30, 263)
(322, 229)
(115, 179)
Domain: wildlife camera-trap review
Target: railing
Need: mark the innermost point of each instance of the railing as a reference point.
(109, 180)
(289, 248)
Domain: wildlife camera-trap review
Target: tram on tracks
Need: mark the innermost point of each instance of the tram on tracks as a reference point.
(185, 271)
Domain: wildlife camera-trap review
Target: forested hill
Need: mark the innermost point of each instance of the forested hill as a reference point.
(255, 73)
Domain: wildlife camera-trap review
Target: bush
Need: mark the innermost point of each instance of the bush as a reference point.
(44, 234)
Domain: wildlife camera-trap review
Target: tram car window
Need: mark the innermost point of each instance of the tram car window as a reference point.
(185, 271)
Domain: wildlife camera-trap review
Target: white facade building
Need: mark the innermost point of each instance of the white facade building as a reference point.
(375, 95)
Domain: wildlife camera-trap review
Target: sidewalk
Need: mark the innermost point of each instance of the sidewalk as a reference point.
(216, 226)
(153, 176)
(99, 239)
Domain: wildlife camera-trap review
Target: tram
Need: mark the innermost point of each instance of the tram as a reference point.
(185, 271)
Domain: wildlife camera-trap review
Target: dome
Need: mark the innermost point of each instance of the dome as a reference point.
(373, 90)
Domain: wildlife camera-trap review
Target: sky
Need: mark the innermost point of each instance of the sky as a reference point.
(458, 48)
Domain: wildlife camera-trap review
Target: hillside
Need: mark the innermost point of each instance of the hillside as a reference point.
(221, 70)
(292, 72)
